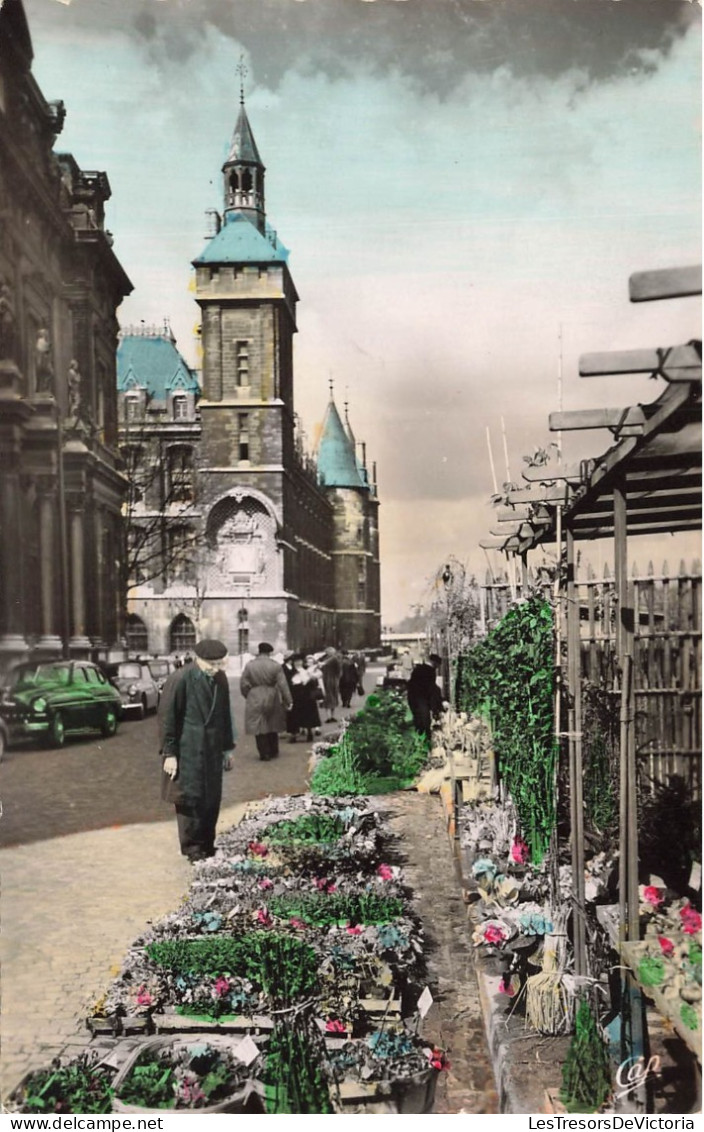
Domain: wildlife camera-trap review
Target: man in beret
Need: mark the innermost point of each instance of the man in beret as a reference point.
(268, 698)
(198, 739)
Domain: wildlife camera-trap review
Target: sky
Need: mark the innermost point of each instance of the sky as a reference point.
(465, 187)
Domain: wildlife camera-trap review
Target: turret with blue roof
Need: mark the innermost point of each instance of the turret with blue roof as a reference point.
(336, 457)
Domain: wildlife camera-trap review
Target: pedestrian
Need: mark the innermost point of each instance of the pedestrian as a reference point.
(305, 687)
(263, 685)
(331, 669)
(349, 679)
(424, 695)
(197, 741)
(315, 696)
(289, 670)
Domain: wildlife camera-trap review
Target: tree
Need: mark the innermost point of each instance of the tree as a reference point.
(453, 615)
(161, 525)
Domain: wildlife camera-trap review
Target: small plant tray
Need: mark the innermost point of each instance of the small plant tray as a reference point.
(229, 1023)
(381, 1006)
(414, 1094)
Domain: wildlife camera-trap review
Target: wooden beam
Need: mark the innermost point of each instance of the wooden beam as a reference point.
(538, 494)
(596, 418)
(548, 474)
(498, 543)
(670, 283)
(673, 363)
(509, 514)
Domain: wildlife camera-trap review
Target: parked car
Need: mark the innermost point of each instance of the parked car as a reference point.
(161, 668)
(55, 699)
(136, 685)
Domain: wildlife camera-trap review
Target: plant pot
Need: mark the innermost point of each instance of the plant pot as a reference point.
(415, 1094)
(245, 1098)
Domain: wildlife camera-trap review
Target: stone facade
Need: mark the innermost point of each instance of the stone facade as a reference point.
(60, 285)
(282, 552)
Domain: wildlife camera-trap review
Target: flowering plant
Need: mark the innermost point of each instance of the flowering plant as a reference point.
(520, 852)
(691, 920)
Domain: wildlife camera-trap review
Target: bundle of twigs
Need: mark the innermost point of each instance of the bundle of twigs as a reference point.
(550, 995)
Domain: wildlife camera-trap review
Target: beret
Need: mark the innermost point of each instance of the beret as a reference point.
(210, 650)
(264, 647)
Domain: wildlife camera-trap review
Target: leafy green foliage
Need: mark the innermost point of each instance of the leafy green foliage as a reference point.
(586, 1077)
(380, 751)
(149, 1084)
(508, 678)
(285, 968)
(77, 1087)
(321, 910)
(294, 1080)
(316, 828)
(600, 724)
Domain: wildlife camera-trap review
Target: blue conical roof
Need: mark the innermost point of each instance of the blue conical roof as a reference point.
(337, 462)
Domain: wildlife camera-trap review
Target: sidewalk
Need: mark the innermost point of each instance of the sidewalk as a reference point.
(63, 939)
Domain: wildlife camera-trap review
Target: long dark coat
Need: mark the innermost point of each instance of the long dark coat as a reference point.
(424, 697)
(267, 696)
(196, 723)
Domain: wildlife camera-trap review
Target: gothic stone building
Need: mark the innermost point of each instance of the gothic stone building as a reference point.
(270, 544)
(60, 284)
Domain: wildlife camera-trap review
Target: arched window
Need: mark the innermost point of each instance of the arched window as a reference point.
(182, 636)
(136, 634)
(180, 407)
(247, 181)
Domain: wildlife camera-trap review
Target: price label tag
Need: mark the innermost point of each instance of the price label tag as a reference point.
(247, 1051)
(695, 877)
(425, 1002)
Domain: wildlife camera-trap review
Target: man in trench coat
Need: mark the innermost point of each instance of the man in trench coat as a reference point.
(266, 692)
(197, 741)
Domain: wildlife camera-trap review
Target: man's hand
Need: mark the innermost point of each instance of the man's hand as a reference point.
(227, 760)
(171, 766)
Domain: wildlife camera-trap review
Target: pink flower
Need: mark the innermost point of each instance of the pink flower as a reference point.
(691, 920)
(354, 929)
(144, 998)
(296, 923)
(191, 1092)
(653, 896)
(666, 945)
(334, 1026)
(264, 918)
(258, 849)
(385, 872)
(438, 1059)
(505, 986)
(520, 852)
(494, 934)
(265, 883)
(324, 885)
(222, 987)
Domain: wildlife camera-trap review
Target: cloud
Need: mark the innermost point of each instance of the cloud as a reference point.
(435, 44)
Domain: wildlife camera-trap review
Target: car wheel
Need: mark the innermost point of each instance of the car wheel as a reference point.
(109, 726)
(3, 743)
(57, 730)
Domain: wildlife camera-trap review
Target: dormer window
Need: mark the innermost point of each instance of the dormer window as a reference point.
(132, 403)
(180, 407)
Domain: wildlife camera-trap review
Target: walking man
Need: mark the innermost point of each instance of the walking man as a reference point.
(265, 689)
(198, 739)
(331, 670)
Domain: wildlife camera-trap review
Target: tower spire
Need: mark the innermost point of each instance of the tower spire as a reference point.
(244, 169)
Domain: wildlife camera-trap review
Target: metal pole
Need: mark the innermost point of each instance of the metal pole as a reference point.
(63, 539)
(575, 769)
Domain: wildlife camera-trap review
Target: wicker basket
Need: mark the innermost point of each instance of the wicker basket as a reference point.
(246, 1099)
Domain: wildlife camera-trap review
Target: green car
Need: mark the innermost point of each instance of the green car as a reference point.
(58, 698)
